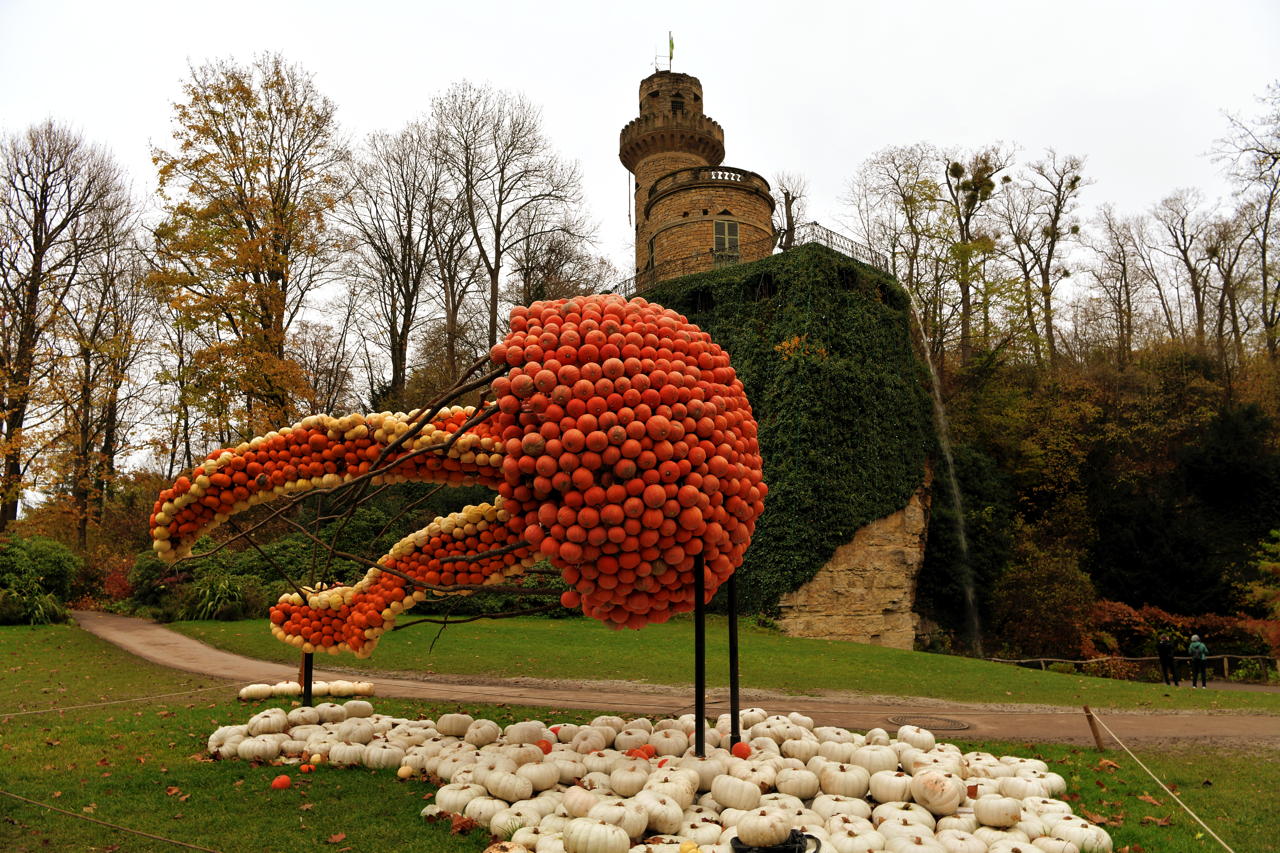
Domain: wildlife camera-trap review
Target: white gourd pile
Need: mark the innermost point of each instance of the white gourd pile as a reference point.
(257, 692)
(618, 786)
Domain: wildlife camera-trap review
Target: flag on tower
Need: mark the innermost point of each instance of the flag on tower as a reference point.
(671, 49)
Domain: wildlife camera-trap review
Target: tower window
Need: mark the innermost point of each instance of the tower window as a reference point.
(677, 105)
(726, 236)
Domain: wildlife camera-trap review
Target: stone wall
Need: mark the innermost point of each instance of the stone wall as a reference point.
(866, 591)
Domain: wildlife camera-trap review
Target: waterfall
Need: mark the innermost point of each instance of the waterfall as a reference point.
(973, 625)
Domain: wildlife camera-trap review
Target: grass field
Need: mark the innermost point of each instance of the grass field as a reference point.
(663, 654)
(141, 765)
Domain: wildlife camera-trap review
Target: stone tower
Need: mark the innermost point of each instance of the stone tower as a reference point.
(692, 214)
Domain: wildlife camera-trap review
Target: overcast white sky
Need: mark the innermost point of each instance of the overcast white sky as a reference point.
(1136, 86)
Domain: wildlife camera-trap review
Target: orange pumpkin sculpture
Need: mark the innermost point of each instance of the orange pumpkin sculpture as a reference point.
(622, 448)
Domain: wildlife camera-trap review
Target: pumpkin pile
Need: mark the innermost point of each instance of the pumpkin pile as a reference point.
(635, 786)
(257, 692)
(622, 448)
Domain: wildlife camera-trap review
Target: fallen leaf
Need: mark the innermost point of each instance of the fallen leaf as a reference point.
(306, 807)
(1158, 821)
(1147, 798)
(57, 794)
(90, 809)
(1206, 783)
(462, 825)
(1106, 764)
(337, 838)
(1093, 817)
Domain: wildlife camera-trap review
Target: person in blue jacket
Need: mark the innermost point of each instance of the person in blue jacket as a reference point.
(1198, 651)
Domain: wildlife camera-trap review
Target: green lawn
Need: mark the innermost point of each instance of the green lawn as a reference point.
(663, 654)
(142, 765)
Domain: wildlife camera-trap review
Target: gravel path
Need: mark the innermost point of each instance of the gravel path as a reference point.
(158, 644)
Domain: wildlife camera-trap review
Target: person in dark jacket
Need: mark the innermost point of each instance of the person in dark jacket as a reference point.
(1168, 666)
(1198, 651)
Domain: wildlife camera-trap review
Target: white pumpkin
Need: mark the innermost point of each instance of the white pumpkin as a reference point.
(508, 786)
(875, 758)
(799, 783)
(222, 733)
(346, 754)
(454, 725)
(845, 780)
(864, 842)
(877, 737)
(803, 748)
(1053, 844)
(381, 755)
(482, 809)
(965, 823)
(841, 751)
(763, 828)
(958, 841)
(355, 731)
(578, 801)
(629, 815)
(454, 797)
(358, 708)
(848, 824)
(270, 721)
(331, 713)
(304, 716)
(1020, 787)
(940, 793)
(913, 844)
(542, 776)
(889, 786)
(996, 810)
(830, 805)
(507, 821)
(286, 688)
(1089, 838)
(669, 742)
(665, 814)
(732, 792)
(991, 835)
(922, 739)
(255, 692)
(482, 732)
(260, 748)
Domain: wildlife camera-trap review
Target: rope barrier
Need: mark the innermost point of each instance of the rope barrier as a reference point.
(114, 701)
(111, 825)
(1176, 798)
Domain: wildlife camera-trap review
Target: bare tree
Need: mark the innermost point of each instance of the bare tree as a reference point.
(897, 209)
(56, 207)
(105, 329)
(1036, 215)
(1181, 226)
(970, 183)
(1253, 151)
(390, 209)
(1117, 273)
(1227, 241)
(790, 192)
(511, 184)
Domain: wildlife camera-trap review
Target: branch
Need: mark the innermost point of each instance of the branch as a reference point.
(508, 614)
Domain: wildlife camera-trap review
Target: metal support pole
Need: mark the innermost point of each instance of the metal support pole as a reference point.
(306, 678)
(735, 730)
(700, 657)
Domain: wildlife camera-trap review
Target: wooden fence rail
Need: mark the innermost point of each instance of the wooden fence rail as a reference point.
(1268, 662)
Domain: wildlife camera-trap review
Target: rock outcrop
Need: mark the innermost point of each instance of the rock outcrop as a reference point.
(866, 591)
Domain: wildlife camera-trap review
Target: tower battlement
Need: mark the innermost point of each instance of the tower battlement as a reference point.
(685, 208)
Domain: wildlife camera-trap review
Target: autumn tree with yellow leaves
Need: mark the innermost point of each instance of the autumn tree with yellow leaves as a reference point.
(247, 192)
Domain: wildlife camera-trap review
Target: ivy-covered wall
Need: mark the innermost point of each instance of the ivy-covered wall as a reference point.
(823, 345)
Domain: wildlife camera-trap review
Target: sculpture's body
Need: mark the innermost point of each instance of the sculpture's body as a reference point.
(622, 447)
